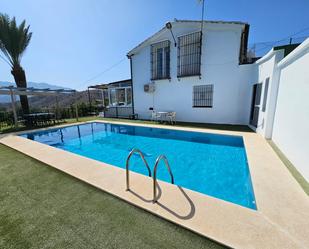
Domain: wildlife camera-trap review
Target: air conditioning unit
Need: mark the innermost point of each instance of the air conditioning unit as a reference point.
(149, 88)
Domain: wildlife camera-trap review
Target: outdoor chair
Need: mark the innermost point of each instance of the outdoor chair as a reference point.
(171, 116)
(155, 116)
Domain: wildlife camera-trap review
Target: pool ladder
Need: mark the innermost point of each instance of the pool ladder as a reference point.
(128, 165)
(159, 158)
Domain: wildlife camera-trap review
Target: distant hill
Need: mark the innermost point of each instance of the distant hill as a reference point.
(64, 100)
(7, 99)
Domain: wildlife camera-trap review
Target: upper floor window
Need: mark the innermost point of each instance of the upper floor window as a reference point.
(189, 55)
(160, 60)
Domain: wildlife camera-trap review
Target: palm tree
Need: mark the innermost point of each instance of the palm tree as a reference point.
(14, 40)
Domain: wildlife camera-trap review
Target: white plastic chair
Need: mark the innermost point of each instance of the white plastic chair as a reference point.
(155, 116)
(171, 116)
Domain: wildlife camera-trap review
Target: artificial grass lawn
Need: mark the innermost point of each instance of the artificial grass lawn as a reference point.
(42, 207)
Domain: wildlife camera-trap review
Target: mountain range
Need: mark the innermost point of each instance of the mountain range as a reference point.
(64, 100)
(41, 85)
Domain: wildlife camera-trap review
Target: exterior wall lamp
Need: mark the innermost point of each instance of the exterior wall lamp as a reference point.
(168, 25)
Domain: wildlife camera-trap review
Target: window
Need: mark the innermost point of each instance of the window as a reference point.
(203, 96)
(113, 99)
(255, 104)
(129, 96)
(160, 60)
(120, 96)
(189, 55)
(265, 94)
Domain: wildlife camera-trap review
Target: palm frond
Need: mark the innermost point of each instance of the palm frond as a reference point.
(14, 39)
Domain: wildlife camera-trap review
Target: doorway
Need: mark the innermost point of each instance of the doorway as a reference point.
(255, 104)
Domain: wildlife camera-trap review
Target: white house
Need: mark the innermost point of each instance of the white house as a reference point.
(201, 76)
(202, 72)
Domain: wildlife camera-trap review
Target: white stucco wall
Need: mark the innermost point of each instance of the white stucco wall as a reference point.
(286, 118)
(220, 53)
(291, 122)
(267, 68)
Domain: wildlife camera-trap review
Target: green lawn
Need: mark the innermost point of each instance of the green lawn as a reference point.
(44, 208)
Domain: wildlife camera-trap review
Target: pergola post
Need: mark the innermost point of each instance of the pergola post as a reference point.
(76, 108)
(76, 111)
(103, 97)
(109, 97)
(57, 108)
(89, 98)
(14, 108)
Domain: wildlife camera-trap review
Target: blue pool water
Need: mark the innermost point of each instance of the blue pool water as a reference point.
(212, 164)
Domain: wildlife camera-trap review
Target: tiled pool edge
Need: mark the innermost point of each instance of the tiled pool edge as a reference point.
(111, 143)
(227, 223)
(138, 185)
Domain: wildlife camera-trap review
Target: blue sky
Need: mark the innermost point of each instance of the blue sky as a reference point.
(75, 40)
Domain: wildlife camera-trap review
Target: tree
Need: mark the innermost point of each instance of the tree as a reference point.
(14, 40)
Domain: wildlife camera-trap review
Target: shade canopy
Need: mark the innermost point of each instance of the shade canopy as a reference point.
(121, 83)
(9, 90)
(30, 91)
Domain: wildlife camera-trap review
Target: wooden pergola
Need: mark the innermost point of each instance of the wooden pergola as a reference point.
(31, 91)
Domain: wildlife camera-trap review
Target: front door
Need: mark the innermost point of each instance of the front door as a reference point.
(255, 104)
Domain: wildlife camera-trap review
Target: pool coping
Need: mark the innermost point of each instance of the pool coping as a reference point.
(281, 221)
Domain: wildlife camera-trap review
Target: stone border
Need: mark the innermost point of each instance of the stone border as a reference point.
(281, 221)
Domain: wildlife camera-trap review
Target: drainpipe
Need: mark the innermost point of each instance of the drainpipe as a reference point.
(131, 71)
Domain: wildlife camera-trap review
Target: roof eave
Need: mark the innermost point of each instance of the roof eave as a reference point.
(133, 51)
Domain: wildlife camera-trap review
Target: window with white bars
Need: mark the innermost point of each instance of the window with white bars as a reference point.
(160, 60)
(203, 96)
(189, 55)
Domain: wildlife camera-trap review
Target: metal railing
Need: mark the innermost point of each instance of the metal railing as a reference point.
(127, 166)
(189, 55)
(155, 175)
(118, 112)
(6, 119)
(161, 157)
(60, 114)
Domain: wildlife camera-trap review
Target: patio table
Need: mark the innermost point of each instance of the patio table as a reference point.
(39, 118)
(162, 115)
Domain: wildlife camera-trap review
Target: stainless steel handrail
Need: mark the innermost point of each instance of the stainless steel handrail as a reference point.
(155, 175)
(127, 165)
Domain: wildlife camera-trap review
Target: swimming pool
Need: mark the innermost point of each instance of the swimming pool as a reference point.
(211, 164)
